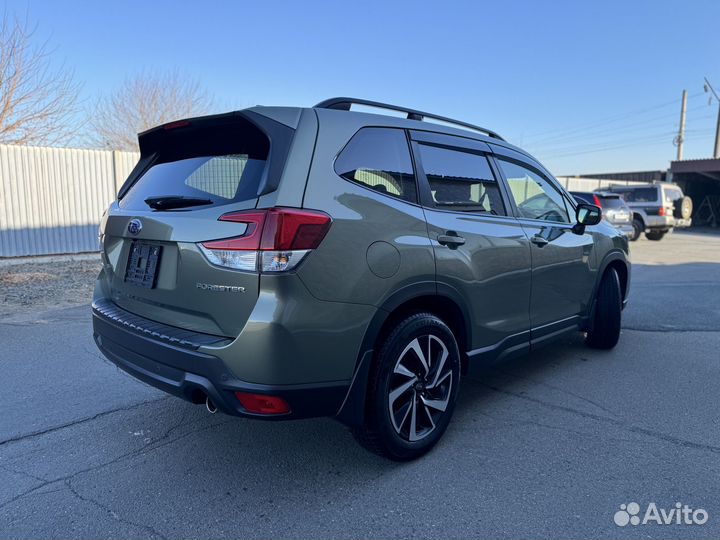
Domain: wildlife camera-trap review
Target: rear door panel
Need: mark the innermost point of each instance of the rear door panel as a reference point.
(491, 269)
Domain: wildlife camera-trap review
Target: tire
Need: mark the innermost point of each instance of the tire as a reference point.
(605, 325)
(390, 428)
(683, 208)
(638, 228)
(655, 235)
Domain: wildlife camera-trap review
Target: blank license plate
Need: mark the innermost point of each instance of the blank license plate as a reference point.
(143, 263)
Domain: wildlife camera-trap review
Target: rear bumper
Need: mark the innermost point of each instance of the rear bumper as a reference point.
(179, 369)
(659, 222)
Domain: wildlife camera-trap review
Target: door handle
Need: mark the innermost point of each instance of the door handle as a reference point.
(450, 240)
(539, 241)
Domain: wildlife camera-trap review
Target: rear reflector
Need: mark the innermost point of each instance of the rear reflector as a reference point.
(261, 404)
(279, 238)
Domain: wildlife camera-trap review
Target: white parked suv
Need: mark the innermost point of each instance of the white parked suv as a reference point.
(656, 208)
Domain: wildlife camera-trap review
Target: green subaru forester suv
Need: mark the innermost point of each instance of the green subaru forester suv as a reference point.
(282, 262)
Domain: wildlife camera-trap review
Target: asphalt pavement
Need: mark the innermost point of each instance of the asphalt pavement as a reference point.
(549, 445)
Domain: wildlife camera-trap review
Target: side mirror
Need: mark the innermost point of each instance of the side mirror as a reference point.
(586, 214)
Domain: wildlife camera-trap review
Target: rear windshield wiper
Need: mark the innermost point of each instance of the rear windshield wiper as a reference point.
(169, 202)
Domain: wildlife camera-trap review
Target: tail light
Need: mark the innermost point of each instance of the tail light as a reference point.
(661, 212)
(276, 240)
(596, 199)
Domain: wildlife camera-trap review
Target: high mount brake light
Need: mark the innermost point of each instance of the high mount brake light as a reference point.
(275, 240)
(176, 125)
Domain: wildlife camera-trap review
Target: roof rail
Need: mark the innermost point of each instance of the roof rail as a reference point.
(344, 104)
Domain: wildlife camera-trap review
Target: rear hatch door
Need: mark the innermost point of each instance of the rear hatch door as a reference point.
(615, 209)
(189, 175)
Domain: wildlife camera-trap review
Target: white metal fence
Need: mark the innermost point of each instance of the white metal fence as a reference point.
(51, 199)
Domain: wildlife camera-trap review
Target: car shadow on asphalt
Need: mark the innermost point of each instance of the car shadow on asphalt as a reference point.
(503, 376)
(306, 447)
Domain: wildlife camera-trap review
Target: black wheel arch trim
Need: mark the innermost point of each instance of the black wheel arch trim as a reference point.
(406, 294)
(610, 257)
(352, 410)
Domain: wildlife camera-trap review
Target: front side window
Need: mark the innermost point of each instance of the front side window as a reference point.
(379, 158)
(460, 180)
(534, 196)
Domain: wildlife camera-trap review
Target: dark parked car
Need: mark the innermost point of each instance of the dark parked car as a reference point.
(282, 262)
(614, 208)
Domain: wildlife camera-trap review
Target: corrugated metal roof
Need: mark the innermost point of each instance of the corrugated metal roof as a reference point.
(711, 165)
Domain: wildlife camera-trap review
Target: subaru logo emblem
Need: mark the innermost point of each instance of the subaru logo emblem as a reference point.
(135, 226)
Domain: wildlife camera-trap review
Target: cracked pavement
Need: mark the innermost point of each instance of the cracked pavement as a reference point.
(548, 445)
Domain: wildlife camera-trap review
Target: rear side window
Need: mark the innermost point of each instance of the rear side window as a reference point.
(460, 180)
(215, 165)
(379, 158)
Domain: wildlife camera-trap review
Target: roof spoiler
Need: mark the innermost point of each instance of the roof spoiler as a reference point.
(164, 138)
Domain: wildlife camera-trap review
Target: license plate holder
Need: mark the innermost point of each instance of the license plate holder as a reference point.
(143, 263)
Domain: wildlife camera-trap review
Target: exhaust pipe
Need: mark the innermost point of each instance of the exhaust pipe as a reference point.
(210, 406)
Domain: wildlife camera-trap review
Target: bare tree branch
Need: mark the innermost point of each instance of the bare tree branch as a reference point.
(143, 102)
(37, 103)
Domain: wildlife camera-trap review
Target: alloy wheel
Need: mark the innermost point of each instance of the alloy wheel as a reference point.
(420, 387)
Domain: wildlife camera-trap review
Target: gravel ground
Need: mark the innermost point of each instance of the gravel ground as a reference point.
(40, 286)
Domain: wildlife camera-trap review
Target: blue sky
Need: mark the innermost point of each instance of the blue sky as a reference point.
(586, 86)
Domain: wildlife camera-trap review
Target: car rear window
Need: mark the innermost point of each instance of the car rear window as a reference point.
(672, 194)
(221, 165)
(611, 202)
(582, 199)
